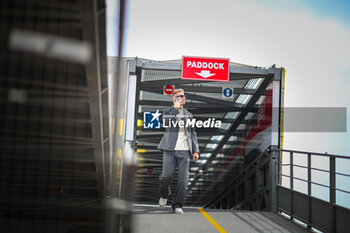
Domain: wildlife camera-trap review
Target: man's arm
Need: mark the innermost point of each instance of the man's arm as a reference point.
(195, 147)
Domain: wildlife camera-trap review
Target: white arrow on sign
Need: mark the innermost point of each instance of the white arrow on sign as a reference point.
(205, 74)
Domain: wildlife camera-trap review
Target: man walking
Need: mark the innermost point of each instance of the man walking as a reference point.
(178, 144)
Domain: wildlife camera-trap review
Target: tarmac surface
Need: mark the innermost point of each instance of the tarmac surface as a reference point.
(152, 219)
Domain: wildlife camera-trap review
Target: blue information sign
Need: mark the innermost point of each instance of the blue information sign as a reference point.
(227, 92)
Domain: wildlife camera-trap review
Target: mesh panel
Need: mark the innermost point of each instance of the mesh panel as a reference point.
(150, 75)
(48, 171)
(235, 84)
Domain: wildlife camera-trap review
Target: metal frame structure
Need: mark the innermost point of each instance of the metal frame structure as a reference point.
(204, 99)
(122, 162)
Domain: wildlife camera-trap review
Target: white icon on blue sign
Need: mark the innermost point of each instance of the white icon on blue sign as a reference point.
(227, 92)
(151, 120)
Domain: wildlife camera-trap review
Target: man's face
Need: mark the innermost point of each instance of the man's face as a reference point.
(180, 96)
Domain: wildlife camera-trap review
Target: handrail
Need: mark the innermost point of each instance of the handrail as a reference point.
(313, 153)
(312, 168)
(297, 178)
(316, 169)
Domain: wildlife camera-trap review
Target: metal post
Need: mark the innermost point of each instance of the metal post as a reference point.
(236, 200)
(309, 189)
(246, 192)
(332, 199)
(138, 91)
(279, 168)
(118, 71)
(257, 202)
(291, 185)
(272, 168)
(129, 170)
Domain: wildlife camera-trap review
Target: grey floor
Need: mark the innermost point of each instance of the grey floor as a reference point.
(149, 219)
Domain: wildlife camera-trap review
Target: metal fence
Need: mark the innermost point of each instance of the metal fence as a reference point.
(327, 216)
(253, 189)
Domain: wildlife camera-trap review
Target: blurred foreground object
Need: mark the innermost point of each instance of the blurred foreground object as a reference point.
(51, 46)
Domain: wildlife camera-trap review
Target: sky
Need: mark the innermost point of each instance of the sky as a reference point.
(309, 38)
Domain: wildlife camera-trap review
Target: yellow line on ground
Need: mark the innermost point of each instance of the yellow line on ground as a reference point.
(212, 221)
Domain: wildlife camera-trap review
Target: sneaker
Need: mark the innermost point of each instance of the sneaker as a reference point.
(162, 202)
(179, 211)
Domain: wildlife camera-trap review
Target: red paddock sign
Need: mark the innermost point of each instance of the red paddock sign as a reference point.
(208, 69)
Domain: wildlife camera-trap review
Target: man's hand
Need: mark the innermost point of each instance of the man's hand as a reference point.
(177, 104)
(195, 156)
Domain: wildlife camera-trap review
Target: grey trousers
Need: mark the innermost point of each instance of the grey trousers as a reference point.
(170, 159)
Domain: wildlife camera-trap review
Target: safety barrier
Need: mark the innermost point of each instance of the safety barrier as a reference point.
(317, 213)
(253, 188)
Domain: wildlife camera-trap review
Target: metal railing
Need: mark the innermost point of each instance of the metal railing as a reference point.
(253, 189)
(325, 216)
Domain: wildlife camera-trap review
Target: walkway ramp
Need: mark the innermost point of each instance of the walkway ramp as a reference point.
(150, 219)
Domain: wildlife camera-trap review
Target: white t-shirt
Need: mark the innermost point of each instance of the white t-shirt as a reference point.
(182, 142)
